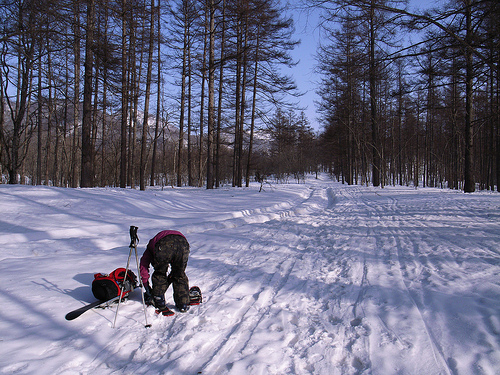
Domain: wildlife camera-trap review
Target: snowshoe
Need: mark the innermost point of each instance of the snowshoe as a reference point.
(165, 311)
(195, 297)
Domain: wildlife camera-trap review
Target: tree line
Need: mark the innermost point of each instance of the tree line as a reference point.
(130, 93)
(192, 92)
(410, 97)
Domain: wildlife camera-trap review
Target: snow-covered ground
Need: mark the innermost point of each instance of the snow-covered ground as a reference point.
(314, 278)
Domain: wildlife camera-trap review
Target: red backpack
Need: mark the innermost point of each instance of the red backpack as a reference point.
(108, 286)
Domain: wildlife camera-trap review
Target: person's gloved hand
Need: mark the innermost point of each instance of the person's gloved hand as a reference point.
(148, 294)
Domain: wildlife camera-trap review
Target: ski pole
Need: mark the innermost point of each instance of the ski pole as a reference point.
(142, 286)
(133, 242)
(133, 245)
(123, 285)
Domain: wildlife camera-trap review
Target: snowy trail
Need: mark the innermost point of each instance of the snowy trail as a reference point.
(317, 278)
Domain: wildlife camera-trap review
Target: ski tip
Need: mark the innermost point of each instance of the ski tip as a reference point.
(70, 316)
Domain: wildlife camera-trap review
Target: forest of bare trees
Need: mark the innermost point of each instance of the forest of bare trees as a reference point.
(412, 97)
(126, 93)
(193, 92)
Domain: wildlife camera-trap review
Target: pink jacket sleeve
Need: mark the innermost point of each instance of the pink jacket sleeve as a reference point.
(144, 265)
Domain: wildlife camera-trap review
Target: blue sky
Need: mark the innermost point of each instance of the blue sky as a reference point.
(307, 31)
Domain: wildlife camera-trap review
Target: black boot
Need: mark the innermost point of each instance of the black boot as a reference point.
(183, 308)
(159, 302)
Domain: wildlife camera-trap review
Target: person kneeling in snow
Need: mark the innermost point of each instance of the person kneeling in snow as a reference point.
(168, 247)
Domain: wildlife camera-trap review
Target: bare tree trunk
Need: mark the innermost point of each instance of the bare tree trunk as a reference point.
(76, 101)
(373, 102)
(135, 90)
(469, 185)
(221, 87)
(454, 138)
(242, 106)
(189, 110)
(124, 99)
(497, 108)
(211, 96)
(50, 113)
(429, 127)
(87, 172)
(183, 94)
(158, 100)
(237, 102)
(146, 100)
(254, 105)
(202, 100)
(38, 179)
(19, 112)
(2, 117)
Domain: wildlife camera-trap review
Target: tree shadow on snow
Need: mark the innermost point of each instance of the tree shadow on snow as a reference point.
(83, 293)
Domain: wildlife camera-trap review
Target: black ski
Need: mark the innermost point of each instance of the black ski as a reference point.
(76, 313)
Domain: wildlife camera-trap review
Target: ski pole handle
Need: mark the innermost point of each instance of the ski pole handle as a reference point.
(133, 236)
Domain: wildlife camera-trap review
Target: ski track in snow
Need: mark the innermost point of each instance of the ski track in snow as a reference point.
(316, 278)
